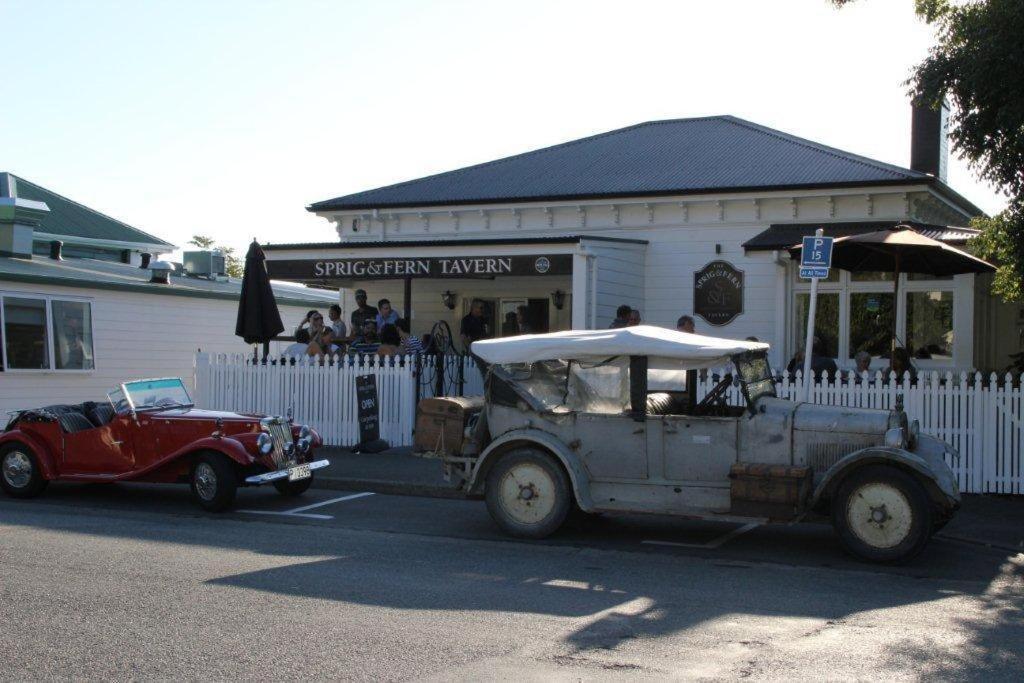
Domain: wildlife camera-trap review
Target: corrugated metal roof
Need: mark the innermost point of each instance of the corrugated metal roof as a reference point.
(711, 154)
(96, 274)
(458, 242)
(68, 217)
(786, 235)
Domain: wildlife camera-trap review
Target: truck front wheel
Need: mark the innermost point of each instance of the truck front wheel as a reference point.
(528, 493)
(882, 515)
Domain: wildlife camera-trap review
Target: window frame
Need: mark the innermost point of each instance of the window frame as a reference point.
(846, 285)
(51, 347)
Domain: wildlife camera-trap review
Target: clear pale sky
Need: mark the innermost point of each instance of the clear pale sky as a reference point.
(227, 118)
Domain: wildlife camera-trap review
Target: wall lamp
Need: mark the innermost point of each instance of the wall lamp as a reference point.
(558, 299)
(448, 299)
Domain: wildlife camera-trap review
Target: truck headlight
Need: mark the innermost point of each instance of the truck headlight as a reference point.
(265, 443)
(896, 438)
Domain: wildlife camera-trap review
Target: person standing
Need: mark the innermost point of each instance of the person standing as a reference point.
(385, 315)
(634, 318)
(362, 312)
(523, 320)
(474, 325)
(685, 324)
(621, 317)
(338, 330)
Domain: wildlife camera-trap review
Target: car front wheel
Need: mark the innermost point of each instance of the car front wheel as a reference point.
(528, 493)
(214, 482)
(882, 515)
(20, 476)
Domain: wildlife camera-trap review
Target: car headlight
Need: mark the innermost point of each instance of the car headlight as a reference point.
(896, 438)
(265, 443)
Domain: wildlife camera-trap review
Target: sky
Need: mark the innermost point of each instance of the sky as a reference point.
(227, 118)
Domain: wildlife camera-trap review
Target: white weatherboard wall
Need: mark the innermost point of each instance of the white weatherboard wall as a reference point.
(134, 336)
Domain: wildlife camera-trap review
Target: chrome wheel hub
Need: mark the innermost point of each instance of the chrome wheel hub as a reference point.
(879, 515)
(527, 493)
(17, 469)
(205, 481)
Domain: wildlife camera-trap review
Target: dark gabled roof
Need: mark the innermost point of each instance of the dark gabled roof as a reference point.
(680, 156)
(71, 219)
(785, 235)
(460, 242)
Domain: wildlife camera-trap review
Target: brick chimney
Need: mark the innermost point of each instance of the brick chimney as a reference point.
(929, 141)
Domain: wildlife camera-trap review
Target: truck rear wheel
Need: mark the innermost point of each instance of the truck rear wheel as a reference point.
(882, 515)
(528, 493)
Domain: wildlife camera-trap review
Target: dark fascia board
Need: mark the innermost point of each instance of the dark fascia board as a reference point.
(493, 241)
(957, 198)
(140, 288)
(333, 205)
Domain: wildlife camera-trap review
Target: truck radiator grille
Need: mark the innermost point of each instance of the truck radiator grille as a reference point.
(822, 456)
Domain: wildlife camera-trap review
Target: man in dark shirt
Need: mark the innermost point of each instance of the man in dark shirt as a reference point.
(621, 317)
(474, 325)
(362, 313)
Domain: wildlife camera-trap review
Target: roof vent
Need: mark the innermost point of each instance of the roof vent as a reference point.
(161, 271)
(146, 258)
(55, 247)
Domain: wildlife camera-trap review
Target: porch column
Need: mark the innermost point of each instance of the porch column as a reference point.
(581, 294)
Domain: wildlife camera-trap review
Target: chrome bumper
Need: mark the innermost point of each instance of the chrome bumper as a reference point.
(267, 477)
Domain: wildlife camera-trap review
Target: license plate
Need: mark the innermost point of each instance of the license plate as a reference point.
(299, 472)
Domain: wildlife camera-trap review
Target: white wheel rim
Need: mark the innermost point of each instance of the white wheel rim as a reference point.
(17, 469)
(206, 481)
(527, 493)
(879, 515)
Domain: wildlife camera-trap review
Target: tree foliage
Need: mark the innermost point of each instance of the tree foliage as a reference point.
(232, 264)
(978, 64)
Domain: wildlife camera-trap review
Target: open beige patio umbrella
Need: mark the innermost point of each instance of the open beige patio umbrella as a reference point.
(900, 250)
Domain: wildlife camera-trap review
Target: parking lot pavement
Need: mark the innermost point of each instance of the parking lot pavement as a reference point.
(809, 545)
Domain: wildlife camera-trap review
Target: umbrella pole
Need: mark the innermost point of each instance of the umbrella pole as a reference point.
(895, 309)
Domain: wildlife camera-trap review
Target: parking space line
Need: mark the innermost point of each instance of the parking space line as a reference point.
(715, 543)
(301, 511)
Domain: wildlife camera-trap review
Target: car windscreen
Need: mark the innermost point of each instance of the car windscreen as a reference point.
(157, 393)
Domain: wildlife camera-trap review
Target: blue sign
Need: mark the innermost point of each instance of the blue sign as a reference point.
(816, 252)
(820, 273)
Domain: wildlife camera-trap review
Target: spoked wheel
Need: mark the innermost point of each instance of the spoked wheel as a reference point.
(290, 489)
(528, 494)
(882, 515)
(20, 476)
(214, 482)
(441, 338)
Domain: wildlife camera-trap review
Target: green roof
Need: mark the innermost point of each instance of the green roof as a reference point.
(71, 219)
(96, 274)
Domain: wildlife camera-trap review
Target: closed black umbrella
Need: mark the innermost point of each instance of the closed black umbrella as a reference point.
(258, 318)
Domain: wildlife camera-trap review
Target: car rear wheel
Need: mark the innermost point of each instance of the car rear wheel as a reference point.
(882, 515)
(528, 493)
(20, 476)
(293, 488)
(214, 482)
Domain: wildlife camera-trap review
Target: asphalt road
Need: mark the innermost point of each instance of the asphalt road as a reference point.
(126, 581)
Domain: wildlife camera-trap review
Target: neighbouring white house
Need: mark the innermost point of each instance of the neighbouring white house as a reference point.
(678, 217)
(81, 309)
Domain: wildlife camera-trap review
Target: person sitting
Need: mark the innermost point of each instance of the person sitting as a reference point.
(685, 324)
(621, 317)
(901, 364)
(366, 342)
(320, 341)
(819, 364)
(634, 318)
(410, 343)
(862, 366)
(390, 341)
(385, 315)
(304, 323)
(299, 347)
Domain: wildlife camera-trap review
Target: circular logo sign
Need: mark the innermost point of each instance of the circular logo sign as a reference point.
(542, 264)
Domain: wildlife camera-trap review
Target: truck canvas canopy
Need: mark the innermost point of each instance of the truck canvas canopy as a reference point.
(657, 343)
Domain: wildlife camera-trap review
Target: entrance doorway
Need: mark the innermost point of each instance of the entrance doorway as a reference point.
(537, 316)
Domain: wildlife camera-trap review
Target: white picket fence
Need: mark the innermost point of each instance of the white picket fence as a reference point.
(982, 418)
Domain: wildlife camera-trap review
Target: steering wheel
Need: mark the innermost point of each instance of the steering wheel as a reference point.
(716, 398)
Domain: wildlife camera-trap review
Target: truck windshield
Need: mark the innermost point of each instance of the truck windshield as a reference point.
(153, 394)
(756, 376)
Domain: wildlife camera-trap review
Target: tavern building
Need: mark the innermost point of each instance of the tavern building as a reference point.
(688, 216)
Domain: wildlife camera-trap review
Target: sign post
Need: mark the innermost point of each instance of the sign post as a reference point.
(815, 260)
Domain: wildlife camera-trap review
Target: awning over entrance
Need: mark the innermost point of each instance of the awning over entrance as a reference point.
(782, 236)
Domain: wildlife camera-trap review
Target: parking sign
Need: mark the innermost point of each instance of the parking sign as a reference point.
(816, 252)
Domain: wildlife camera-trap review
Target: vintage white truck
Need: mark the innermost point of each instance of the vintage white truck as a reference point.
(608, 421)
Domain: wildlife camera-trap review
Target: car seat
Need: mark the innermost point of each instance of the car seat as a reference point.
(70, 417)
(99, 414)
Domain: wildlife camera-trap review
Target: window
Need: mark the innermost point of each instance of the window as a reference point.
(826, 322)
(871, 319)
(43, 333)
(930, 325)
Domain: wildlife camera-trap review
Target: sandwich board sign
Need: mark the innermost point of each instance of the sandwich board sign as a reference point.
(815, 256)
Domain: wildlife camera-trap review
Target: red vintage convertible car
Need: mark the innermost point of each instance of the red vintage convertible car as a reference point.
(150, 431)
